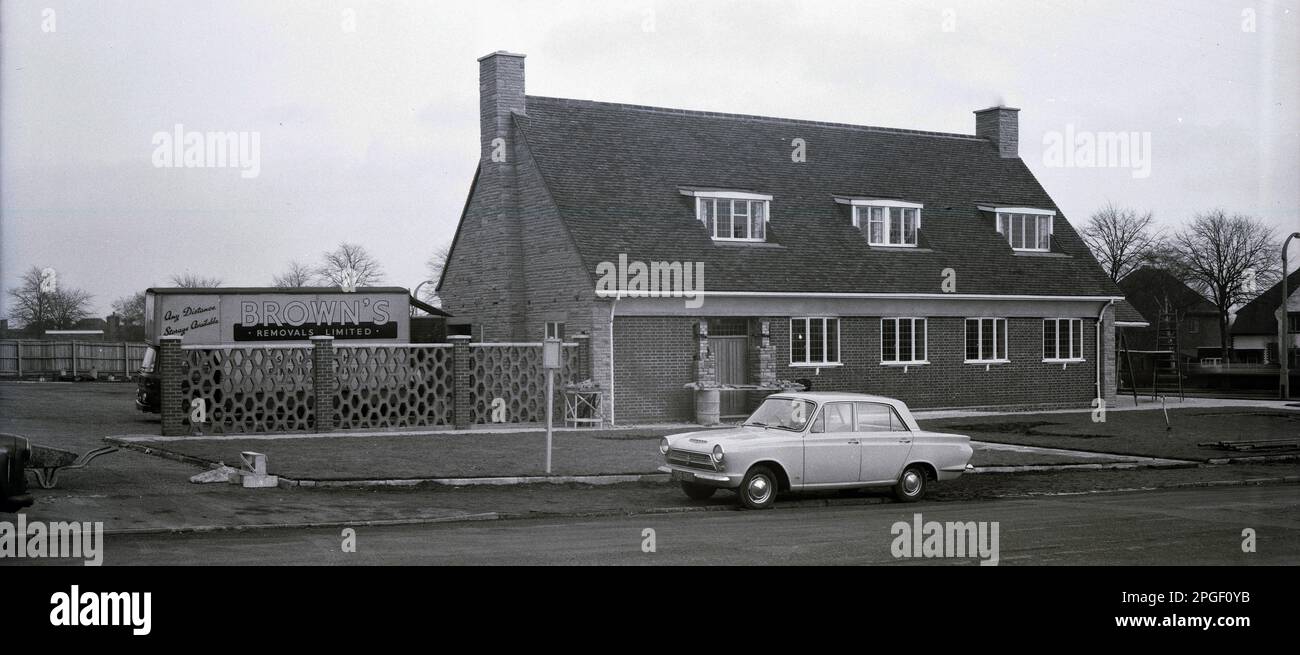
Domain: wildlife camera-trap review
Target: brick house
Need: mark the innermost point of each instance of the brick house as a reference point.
(1153, 291)
(1255, 328)
(927, 266)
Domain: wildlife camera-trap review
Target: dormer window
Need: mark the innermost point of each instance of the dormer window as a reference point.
(1026, 229)
(886, 222)
(732, 215)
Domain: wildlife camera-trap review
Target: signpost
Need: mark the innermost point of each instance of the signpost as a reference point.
(550, 362)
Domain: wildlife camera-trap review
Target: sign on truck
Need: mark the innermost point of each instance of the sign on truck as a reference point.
(248, 316)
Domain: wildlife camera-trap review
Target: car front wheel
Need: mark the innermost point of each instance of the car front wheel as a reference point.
(696, 491)
(758, 489)
(911, 484)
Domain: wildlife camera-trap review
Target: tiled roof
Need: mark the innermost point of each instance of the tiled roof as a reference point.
(1149, 288)
(1257, 316)
(615, 172)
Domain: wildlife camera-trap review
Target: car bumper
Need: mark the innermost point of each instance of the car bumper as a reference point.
(953, 472)
(697, 476)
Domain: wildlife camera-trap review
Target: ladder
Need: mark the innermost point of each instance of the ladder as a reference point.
(1167, 373)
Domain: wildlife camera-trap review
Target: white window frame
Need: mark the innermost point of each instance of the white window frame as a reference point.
(558, 328)
(1039, 215)
(1073, 325)
(998, 338)
(925, 342)
(807, 342)
(889, 206)
(715, 197)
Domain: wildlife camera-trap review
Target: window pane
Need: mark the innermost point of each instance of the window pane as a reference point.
(1000, 325)
(972, 338)
(817, 340)
(923, 347)
(888, 340)
(839, 417)
(1049, 339)
(895, 225)
(1017, 231)
(896, 423)
(876, 225)
(798, 341)
(909, 227)
(872, 417)
(986, 339)
(833, 340)
(1078, 340)
(739, 219)
(905, 339)
(1044, 226)
(758, 215)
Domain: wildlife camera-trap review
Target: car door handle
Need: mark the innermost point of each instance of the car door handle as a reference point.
(855, 442)
(904, 441)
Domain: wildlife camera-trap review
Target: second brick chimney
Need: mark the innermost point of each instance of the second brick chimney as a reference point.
(500, 93)
(1001, 125)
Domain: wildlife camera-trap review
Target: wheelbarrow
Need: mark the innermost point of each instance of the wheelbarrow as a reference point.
(48, 463)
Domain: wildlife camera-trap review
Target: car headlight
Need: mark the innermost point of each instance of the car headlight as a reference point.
(717, 454)
(663, 446)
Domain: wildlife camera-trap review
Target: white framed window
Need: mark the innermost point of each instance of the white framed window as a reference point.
(814, 341)
(555, 330)
(886, 222)
(1025, 228)
(1062, 339)
(732, 215)
(986, 340)
(903, 341)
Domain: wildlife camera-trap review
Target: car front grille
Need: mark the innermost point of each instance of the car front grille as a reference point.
(690, 459)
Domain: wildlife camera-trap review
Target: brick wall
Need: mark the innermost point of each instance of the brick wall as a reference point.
(655, 358)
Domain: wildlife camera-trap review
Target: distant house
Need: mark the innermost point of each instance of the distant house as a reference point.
(1154, 291)
(932, 267)
(1254, 333)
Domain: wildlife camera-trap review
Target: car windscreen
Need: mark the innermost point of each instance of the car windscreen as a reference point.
(784, 413)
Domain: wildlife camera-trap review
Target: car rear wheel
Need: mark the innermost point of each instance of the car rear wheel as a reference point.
(696, 491)
(758, 489)
(911, 484)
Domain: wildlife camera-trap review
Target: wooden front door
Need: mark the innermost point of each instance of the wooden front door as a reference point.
(732, 356)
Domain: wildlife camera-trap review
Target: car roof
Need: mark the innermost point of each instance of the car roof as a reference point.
(828, 396)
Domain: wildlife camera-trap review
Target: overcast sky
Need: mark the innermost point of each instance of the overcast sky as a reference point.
(370, 134)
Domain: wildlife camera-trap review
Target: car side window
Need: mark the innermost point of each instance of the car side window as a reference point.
(839, 417)
(874, 417)
(896, 422)
(819, 425)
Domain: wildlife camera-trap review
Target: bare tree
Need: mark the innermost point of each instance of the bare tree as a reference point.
(1229, 259)
(189, 280)
(130, 309)
(350, 265)
(1121, 239)
(297, 275)
(41, 303)
(436, 264)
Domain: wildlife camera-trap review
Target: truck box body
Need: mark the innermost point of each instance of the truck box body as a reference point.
(249, 316)
(244, 316)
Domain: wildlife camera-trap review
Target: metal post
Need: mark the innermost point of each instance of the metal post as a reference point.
(18, 348)
(74, 360)
(1283, 345)
(126, 361)
(550, 402)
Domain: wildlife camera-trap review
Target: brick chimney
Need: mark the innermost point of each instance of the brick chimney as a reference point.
(500, 92)
(1001, 125)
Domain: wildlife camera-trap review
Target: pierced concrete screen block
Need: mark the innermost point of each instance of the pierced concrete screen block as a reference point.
(510, 377)
(385, 387)
(250, 389)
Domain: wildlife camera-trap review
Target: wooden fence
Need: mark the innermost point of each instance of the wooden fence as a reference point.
(31, 358)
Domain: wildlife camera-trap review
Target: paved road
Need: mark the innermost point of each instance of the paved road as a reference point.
(1191, 526)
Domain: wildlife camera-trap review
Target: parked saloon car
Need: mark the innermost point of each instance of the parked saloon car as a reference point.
(809, 441)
